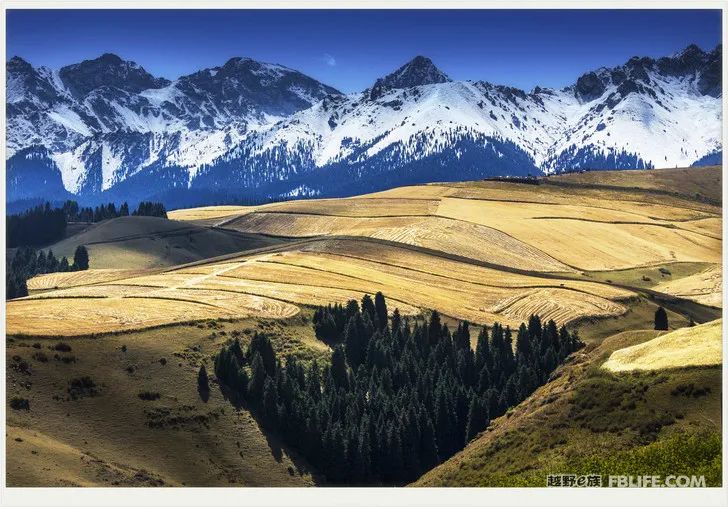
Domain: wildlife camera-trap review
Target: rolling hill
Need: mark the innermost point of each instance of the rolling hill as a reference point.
(693, 346)
(596, 252)
(138, 242)
(588, 420)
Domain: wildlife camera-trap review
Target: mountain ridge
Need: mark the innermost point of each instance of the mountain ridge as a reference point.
(266, 131)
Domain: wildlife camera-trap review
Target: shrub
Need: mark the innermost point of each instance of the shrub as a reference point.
(148, 396)
(19, 404)
(690, 390)
(62, 347)
(40, 357)
(82, 387)
(21, 365)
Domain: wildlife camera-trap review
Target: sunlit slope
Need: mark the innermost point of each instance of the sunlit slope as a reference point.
(150, 242)
(483, 251)
(67, 279)
(551, 227)
(691, 182)
(705, 287)
(588, 412)
(690, 346)
(274, 284)
(112, 437)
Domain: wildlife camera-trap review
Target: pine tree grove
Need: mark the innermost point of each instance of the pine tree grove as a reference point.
(397, 397)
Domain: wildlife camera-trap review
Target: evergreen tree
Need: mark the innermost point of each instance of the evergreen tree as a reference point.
(477, 417)
(661, 319)
(364, 452)
(380, 306)
(80, 258)
(270, 402)
(257, 379)
(260, 344)
(523, 343)
(416, 397)
(338, 368)
(482, 350)
(353, 343)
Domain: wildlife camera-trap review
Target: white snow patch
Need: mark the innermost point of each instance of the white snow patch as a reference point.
(69, 119)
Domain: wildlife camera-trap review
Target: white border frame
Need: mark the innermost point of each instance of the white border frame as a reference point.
(364, 497)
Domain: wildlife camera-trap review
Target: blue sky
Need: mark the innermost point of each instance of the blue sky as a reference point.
(350, 49)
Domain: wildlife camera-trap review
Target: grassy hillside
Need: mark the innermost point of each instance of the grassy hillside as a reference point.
(598, 252)
(108, 435)
(481, 251)
(588, 416)
(149, 242)
(690, 346)
(699, 183)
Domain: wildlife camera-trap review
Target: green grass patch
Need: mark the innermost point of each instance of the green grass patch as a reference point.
(680, 454)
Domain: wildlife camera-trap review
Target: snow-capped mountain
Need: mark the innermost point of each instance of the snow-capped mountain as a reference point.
(253, 130)
(105, 120)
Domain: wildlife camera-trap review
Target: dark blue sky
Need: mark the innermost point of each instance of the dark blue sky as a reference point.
(350, 49)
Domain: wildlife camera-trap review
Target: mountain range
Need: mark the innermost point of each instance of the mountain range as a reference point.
(107, 130)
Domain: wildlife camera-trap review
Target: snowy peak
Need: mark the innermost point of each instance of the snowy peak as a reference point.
(638, 73)
(417, 72)
(248, 128)
(243, 86)
(30, 86)
(18, 65)
(108, 70)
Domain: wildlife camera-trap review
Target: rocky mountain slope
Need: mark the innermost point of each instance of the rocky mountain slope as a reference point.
(107, 129)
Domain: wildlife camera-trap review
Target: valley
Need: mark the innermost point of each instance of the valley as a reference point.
(597, 252)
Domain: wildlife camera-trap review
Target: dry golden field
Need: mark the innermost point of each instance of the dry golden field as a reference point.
(690, 346)
(481, 251)
(322, 271)
(150, 242)
(75, 278)
(705, 287)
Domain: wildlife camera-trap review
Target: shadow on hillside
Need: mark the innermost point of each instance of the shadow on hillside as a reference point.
(276, 446)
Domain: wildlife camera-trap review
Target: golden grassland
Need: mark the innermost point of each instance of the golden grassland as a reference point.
(690, 346)
(114, 438)
(75, 278)
(705, 287)
(275, 284)
(150, 242)
(456, 237)
(680, 181)
(207, 212)
(547, 227)
(598, 252)
(468, 250)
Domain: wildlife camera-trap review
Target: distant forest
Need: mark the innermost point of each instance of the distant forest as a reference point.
(43, 224)
(26, 263)
(396, 398)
